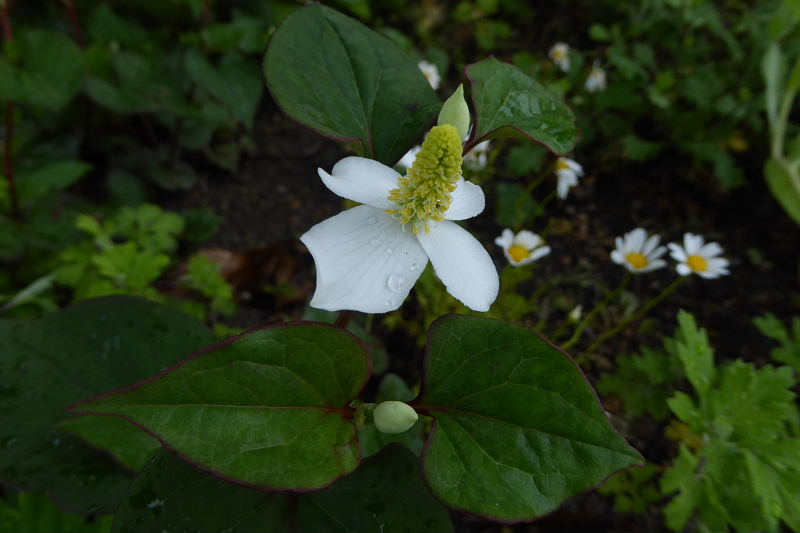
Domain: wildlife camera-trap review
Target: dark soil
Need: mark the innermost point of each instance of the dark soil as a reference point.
(277, 195)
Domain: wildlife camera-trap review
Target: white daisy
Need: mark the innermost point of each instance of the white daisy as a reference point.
(639, 253)
(559, 53)
(596, 81)
(697, 256)
(477, 157)
(568, 172)
(523, 248)
(431, 73)
(370, 256)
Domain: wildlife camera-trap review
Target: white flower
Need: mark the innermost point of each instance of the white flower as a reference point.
(523, 248)
(431, 73)
(697, 256)
(597, 78)
(477, 157)
(639, 253)
(370, 256)
(408, 159)
(568, 172)
(559, 53)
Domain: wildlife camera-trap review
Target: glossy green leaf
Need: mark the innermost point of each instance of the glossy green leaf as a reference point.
(125, 442)
(385, 493)
(508, 103)
(268, 409)
(354, 84)
(517, 429)
(50, 71)
(784, 184)
(49, 363)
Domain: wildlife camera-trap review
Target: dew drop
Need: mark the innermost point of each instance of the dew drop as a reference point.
(389, 251)
(395, 282)
(414, 266)
(371, 220)
(388, 303)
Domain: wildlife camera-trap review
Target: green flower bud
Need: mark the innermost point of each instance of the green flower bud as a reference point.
(456, 112)
(394, 417)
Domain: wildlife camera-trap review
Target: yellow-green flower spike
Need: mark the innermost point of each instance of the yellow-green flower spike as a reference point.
(424, 193)
(456, 112)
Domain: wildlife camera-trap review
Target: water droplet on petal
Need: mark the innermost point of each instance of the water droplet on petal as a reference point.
(395, 282)
(389, 251)
(371, 220)
(388, 303)
(414, 266)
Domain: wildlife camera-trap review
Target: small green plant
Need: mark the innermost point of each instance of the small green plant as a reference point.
(788, 352)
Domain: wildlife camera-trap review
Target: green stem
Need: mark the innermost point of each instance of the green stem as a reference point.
(639, 314)
(587, 320)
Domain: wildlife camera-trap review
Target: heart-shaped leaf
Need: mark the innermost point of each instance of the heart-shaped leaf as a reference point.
(49, 363)
(268, 409)
(338, 77)
(385, 493)
(508, 103)
(517, 428)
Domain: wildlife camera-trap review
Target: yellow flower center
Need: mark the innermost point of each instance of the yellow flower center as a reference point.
(562, 164)
(424, 193)
(637, 260)
(698, 263)
(519, 253)
(558, 53)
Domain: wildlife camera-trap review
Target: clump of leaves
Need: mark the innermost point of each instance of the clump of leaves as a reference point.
(788, 336)
(745, 473)
(34, 512)
(633, 489)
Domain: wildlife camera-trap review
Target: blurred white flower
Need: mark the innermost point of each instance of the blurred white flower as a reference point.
(523, 248)
(559, 53)
(431, 73)
(408, 159)
(639, 253)
(370, 256)
(568, 172)
(697, 256)
(597, 78)
(477, 157)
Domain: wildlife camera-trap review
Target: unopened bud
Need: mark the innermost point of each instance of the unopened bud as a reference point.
(394, 417)
(456, 112)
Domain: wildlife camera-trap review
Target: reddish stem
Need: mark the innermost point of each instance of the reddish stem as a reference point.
(206, 13)
(8, 161)
(8, 34)
(343, 319)
(76, 25)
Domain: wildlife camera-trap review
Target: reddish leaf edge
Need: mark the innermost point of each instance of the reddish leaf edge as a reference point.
(435, 425)
(472, 142)
(75, 407)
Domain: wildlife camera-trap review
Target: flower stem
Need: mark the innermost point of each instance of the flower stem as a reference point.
(343, 319)
(639, 314)
(587, 320)
(76, 25)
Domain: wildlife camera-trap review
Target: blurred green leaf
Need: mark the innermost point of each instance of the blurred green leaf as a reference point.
(784, 184)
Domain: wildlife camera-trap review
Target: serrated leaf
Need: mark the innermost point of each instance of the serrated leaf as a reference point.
(508, 103)
(61, 358)
(695, 353)
(385, 493)
(517, 430)
(353, 84)
(258, 408)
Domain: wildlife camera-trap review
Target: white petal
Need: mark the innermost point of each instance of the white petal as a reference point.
(362, 180)
(540, 252)
(683, 269)
(636, 240)
(527, 239)
(468, 201)
(709, 250)
(692, 243)
(654, 265)
(505, 239)
(462, 264)
(658, 252)
(617, 257)
(677, 252)
(365, 261)
(650, 244)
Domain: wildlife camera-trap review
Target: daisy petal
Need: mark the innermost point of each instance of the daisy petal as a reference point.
(677, 252)
(505, 239)
(636, 240)
(683, 269)
(539, 253)
(617, 257)
(528, 239)
(650, 244)
(365, 261)
(468, 201)
(362, 180)
(711, 249)
(462, 264)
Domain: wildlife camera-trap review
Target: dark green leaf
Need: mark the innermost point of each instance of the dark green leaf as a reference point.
(515, 206)
(385, 493)
(259, 408)
(784, 184)
(353, 84)
(510, 104)
(49, 363)
(125, 442)
(56, 176)
(517, 428)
